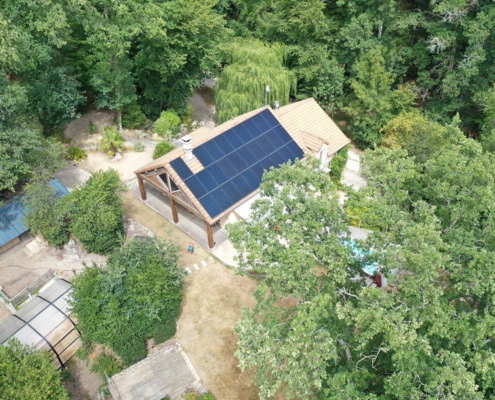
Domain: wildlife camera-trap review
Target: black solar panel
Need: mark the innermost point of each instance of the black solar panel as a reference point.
(234, 161)
(181, 168)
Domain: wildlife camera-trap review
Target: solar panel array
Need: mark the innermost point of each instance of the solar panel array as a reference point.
(234, 161)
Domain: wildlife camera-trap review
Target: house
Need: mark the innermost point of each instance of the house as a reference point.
(12, 216)
(218, 170)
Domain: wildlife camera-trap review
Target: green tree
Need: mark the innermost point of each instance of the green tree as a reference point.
(137, 295)
(419, 135)
(56, 96)
(242, 85)
(176, 46)
(44, 214)
(110, 28)
(292, 239)
(317, 328)
(96, 212)
(376, 102)
(168, 124)
(26, 373)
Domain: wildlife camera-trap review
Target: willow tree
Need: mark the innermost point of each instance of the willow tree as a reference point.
(253, 67)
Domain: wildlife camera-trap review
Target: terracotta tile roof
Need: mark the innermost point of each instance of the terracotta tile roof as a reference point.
(305, 121)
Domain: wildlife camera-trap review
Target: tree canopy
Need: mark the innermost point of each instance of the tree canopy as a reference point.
(254, 77)
(137, 295)
(27, 373)
(317, 328)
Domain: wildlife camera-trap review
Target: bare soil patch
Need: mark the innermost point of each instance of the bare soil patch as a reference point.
(82, 384)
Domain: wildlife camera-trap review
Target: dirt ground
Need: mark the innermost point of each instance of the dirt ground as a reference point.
(211, 307)
(82, 384)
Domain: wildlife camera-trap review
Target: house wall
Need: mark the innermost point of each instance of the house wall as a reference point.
(230, 218)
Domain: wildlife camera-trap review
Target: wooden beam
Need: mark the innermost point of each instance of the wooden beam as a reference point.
(173, 206)
(141, 187)
(209, 229)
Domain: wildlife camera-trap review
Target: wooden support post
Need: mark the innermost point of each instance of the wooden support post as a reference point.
(141, 187)
(209, 229)
(173, 206)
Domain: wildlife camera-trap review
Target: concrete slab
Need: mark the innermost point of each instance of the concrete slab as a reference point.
(166, 372)
(188, 223)
(226, 253)
(72, 176)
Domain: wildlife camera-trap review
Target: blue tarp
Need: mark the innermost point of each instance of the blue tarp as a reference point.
(12, 215)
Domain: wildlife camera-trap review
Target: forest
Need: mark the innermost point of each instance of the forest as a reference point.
(365, 62)
(411, 82)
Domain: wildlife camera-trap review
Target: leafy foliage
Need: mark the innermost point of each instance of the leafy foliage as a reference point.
(23, 153)
(136, 296)
(337, 165)
(106, 365)
(76, 153)
(242, 84)
(139, 147)
(133, 117)
(168, 124)
(319, 330)
(162, 148)
(27, 373)
(44, 213)
(112, 141)
(96, 212)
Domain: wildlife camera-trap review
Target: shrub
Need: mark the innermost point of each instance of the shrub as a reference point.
(141, 135)
(28, 373)
(139, 146)
(96, 212)
(133, 117)
(121, 305)
(207, 396)
(337, 165)
(45, 213)
(76, 153)
(106, 363)
(112, 141)
(168, 124)
(162, 148)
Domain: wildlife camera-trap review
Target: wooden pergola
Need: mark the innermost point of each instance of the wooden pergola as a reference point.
(174, 198)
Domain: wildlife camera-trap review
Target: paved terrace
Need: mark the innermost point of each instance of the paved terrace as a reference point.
(167, 372)
(188, 222)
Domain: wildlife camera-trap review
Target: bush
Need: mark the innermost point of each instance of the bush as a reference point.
(162, 148)
(76, 153)
(96, 212)
(133, 117)
(106, 363)
(45, 213)
(112, 141)
(168, 124)
(141, 135)
(337, 165)
(139, 146)
(122, 304)
(27, 373)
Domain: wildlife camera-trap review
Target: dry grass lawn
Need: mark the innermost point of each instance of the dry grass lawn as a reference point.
(211, 307)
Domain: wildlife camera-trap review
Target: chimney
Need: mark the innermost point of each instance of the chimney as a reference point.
(187, 144)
